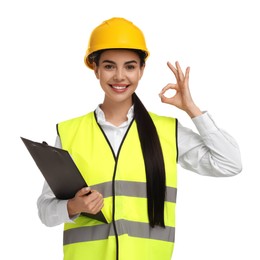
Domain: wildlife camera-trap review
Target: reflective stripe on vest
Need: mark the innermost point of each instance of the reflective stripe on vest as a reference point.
(132, 189)
(134, 229)
(121, 179)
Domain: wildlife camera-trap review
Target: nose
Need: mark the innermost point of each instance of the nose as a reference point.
(119, 74)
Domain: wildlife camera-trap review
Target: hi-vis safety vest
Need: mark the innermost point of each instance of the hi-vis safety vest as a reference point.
(121, 179)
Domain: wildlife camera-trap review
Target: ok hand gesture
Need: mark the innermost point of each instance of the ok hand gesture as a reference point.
(182, 99)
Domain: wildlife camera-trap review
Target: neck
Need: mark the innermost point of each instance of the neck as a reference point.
(116, 113)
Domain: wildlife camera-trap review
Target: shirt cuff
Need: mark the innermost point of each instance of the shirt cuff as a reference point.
(63, 209)
(205, 124)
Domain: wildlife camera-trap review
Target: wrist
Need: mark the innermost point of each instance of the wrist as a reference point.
(71, 208)
(193, 111)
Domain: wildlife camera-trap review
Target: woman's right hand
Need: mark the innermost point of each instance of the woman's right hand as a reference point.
(85, 200)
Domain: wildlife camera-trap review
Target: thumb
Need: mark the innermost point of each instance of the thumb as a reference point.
(84, 191)
(164, 99)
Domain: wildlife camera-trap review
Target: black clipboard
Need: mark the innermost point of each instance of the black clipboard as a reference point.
(59, 171)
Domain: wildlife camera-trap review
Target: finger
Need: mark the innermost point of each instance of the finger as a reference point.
(173, 69)
(169, 93)
(179, 70)
(98, 206)
(167, 87)
(94, 197)
(84, 191)
(95, 205)
(96, 210)
(167, 100)
(187, 76)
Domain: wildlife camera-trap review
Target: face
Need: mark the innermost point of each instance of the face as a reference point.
(119, 72)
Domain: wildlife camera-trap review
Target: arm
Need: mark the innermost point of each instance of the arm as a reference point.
(53, 211)
(212, 152)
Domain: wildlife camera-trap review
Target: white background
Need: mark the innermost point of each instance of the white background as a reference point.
(43, 81)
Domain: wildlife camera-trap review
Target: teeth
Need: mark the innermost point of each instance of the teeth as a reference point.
(118, 87)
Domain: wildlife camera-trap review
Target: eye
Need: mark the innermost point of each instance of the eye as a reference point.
(130, 67)
(109, 66)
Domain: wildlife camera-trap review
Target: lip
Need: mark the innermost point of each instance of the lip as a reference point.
(119, 88)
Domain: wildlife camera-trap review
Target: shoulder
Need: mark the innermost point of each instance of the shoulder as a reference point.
(161, 119)
(166, 127)
(164, 124)
(77, 119)
(75, 123)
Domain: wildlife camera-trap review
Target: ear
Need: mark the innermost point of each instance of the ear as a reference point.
(95, 68)
(141, 71)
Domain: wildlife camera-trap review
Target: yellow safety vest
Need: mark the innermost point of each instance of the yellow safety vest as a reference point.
(121, 179)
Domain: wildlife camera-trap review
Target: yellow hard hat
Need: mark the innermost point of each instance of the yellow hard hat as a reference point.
(115, 33)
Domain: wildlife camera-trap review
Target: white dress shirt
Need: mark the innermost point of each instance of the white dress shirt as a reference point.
(212, 152)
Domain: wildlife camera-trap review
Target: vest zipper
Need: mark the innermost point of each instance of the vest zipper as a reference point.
(113, 180)
(113, 211)
(114, 190)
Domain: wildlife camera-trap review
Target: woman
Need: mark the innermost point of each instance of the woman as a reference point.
(129, 156)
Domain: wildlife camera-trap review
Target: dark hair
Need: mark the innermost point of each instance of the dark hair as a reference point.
(152, 153)
(154, 163)
(95, 56)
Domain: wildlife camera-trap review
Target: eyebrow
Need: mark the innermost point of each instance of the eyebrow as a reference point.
(110, 61)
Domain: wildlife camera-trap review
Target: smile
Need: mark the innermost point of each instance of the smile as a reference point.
(119, 88)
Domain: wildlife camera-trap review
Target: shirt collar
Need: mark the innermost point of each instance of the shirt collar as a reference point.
(101, 119)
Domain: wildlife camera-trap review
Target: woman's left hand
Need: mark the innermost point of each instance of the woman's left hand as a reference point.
(182, 99)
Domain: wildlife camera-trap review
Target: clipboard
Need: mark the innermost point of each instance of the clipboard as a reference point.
(59, 171)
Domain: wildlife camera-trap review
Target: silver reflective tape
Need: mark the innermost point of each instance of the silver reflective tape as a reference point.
(131, 189)
(131, 228)
(143, 230)
(84, 234)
